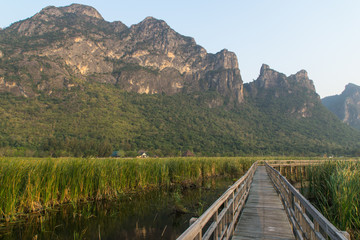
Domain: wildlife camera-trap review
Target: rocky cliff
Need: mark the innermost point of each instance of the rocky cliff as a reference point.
(58, 48)
(294, 94)
(73, 84)
(346, 105)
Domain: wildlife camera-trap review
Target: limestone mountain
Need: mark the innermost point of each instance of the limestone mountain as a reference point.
(346, 105)
(59, 48)
(73, 84)
(294, 94)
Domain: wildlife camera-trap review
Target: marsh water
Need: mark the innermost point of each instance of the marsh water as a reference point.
(152, 214)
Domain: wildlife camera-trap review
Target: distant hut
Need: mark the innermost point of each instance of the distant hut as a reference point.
(142, 154)
(188, 153)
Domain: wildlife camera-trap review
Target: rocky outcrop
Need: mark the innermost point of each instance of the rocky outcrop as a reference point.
(58, 45)
(346, 105)
(303, 80)
(294, 94)
(51, 19)
(270, 78)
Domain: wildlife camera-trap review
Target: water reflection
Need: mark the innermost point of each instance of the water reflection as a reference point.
(154, 214)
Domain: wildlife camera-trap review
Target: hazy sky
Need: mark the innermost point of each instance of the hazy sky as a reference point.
(320, 36)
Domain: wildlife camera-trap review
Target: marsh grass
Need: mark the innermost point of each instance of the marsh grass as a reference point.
(31, 185)
(335, 190)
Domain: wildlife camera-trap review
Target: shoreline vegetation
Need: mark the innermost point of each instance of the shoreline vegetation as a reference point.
(34, 184)
(335, 190)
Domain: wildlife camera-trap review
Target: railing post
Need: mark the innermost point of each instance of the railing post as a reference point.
(302, 220)
(346, 234)
(308, 231)
(192, 220)
(232, 215)
(221, 227)
(297, 215)
(316, 226)
(227, 220)
(316, 229)
(216, 232)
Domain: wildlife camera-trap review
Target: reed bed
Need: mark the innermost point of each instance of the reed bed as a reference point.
(335, 189)
(29, 185)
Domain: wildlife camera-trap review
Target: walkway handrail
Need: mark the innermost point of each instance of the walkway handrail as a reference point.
(294, 163)
(220, 218)
(307, 222)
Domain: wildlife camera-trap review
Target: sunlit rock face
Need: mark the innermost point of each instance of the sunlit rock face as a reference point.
(62, 47)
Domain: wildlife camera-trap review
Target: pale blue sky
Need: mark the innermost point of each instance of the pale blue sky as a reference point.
(320, 36)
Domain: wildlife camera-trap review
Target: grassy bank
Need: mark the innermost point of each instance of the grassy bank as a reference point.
(335, 190)
(29, 185)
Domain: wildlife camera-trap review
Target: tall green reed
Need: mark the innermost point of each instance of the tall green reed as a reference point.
(28, 185)
(335, 190)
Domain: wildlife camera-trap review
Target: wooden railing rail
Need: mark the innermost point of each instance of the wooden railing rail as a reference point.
(280, 163)
(295, 164)
(306, 221)
(218, 222)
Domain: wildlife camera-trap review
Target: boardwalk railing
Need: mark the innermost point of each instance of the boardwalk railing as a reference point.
(218, 222)
(306, 221)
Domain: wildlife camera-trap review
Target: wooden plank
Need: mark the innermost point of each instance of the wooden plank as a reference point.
(263, 216)
(197, 227)
(318, 218)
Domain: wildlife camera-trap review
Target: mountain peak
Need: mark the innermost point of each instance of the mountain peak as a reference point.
(226, 60)
(73, 8)
(151, 24)
(351, 86)
(264, 67)
(52, 12)
(351, 90)
(152, 21)
(57, 20)
(302, 73)
(302, 78)
(267, 72)
(269, 77)
(150, 27)
(297, 91)
(346, 105)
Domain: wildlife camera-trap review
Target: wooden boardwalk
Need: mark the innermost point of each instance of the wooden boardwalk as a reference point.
(263, 216)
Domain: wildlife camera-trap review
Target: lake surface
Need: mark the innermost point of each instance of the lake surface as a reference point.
(154, 214)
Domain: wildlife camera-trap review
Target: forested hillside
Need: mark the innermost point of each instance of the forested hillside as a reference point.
(73, 84)
(100, 119)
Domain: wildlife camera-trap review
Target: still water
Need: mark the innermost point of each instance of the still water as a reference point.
(155, 214)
